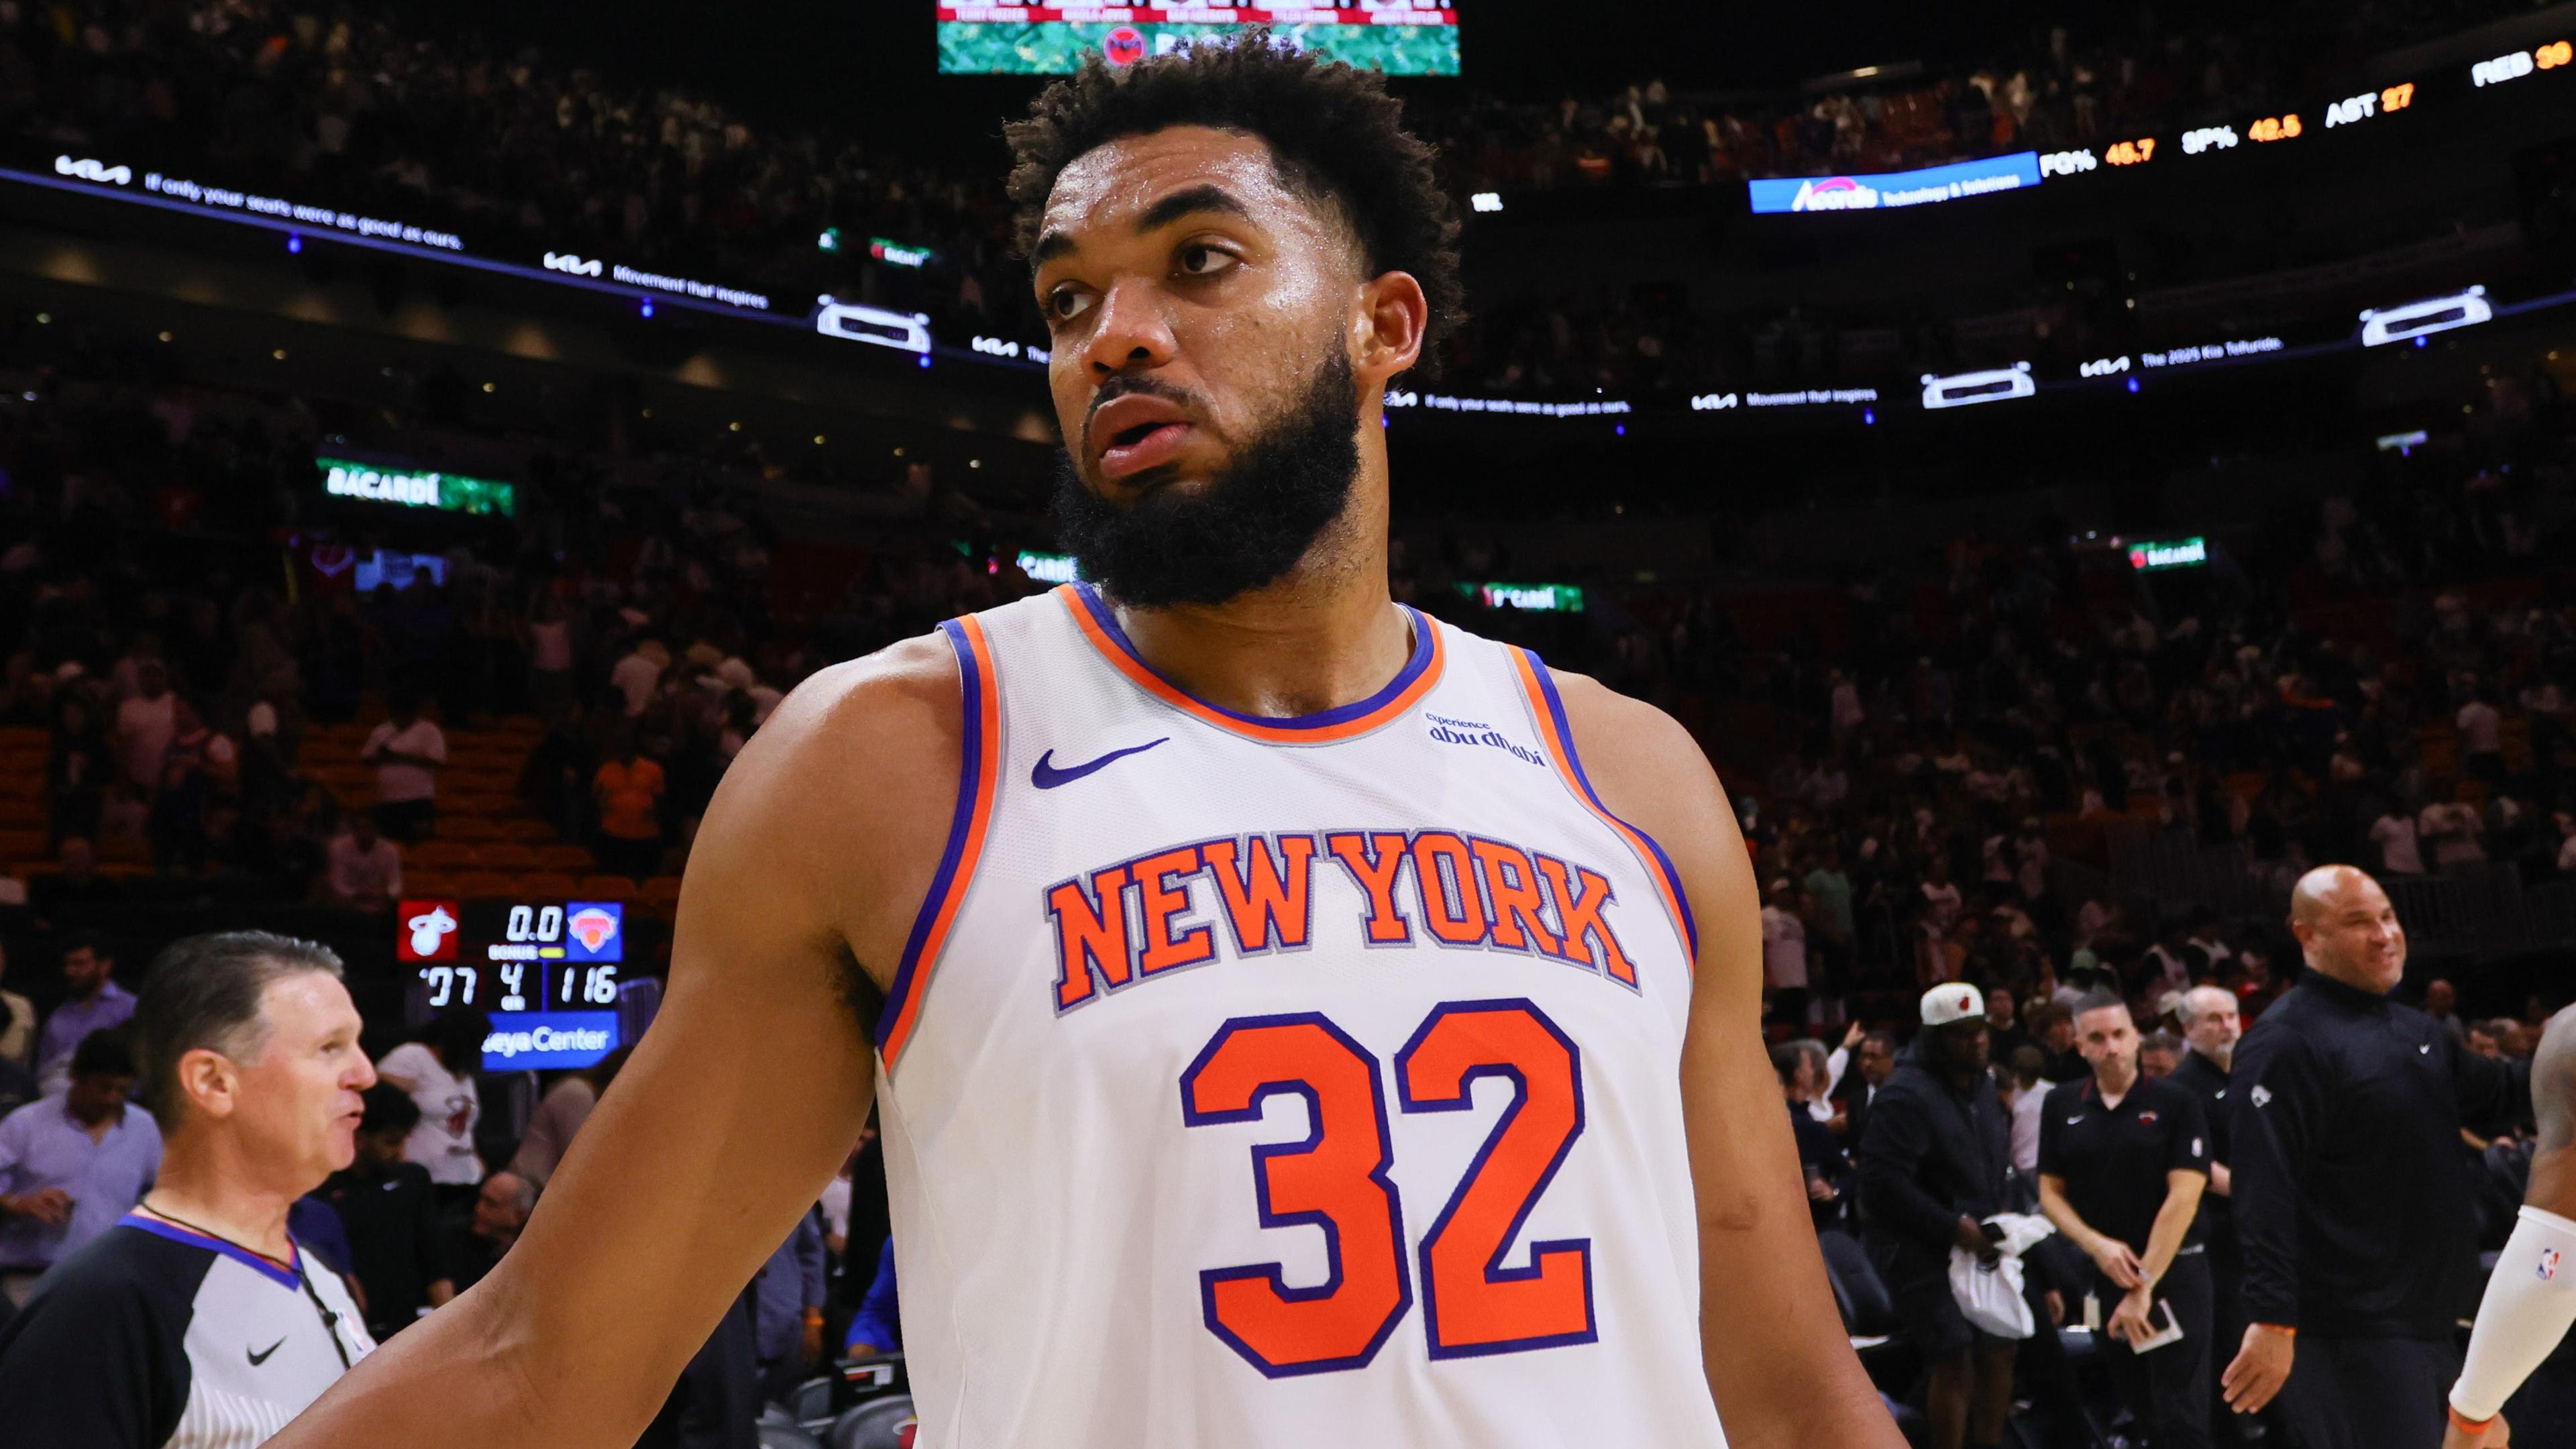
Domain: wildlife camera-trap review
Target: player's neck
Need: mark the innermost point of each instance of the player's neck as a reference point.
(1324, 635)
(204, 1186)
(2115, 1082)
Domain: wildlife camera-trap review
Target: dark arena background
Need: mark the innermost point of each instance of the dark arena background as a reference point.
(2071, 472)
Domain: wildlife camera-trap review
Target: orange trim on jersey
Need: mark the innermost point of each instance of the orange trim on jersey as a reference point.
(1421, 671)
(1558, 733)
(978, 773)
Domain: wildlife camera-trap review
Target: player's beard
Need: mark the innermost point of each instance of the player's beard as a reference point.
(1247, 526)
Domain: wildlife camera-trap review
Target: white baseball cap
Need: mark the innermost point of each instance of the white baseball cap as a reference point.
(1953, 1001)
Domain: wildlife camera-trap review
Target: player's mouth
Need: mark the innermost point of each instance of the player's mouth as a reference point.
(1140, 447)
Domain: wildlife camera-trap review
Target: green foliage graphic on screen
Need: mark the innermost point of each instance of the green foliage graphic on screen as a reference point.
(1050, 46)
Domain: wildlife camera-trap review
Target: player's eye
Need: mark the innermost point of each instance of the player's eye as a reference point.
(1054, 304)
(1202, 249)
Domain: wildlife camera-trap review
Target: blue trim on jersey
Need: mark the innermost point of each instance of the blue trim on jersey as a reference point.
(962, 821)
(1107, 619)
(1565, 732)
(248, 1259)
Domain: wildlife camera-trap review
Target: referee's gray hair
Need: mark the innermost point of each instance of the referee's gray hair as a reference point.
(204, 991)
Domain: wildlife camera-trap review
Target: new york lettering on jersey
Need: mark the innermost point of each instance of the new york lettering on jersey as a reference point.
(1282, 1078)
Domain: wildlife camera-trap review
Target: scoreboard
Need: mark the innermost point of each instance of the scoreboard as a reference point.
(1396, 37)
(545, 971)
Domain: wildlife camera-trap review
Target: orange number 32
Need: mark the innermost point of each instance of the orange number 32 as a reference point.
(1337, 1179)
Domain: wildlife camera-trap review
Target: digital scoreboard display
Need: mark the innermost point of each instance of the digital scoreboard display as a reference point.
(1395, 37)
(545, 971)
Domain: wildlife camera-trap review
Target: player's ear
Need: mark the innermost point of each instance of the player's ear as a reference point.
(1388, 330)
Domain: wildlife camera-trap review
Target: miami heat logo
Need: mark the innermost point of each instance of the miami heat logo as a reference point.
(428, 931)
(1124, 45)
(2548, 1264)
(592, 927)
(2146, 1118)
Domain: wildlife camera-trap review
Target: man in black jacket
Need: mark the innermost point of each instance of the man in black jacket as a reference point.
(1935, 1162)
(2353, 1202)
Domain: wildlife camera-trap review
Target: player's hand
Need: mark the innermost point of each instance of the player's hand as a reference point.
(2496, 1435)
(2119, 1263)
(51, 1206)
(2262, 1365)
(2129, 1321)
(2056, 1302)
(813, 1344)
(1819, 1190)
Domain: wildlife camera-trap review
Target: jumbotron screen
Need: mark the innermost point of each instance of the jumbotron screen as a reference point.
(1396, 37)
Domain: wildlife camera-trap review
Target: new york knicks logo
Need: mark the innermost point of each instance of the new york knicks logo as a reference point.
(595, 930)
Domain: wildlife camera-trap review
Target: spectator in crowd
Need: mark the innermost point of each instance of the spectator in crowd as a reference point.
(398, 1250)
(1801, 1068)
(79, 766)
(638, 676)
(1873, 1062)
(2442, 1005)
(788, 1320)
(2123, 1160)
(72, 1163)
(628, 790)
(501, 1207)
(1935, 1164)
(2352, 1196)
(559, 1115)
(1784, 952)
(408, 751)
(92, 1001)
(365, 870)
(2481, 738)
(199, 1303)
(146, 721)
(76, 883)
(2395, 834)
(878, 1325)
(2211, 1027)
(2052, 1029)
(2159, 1052)
(2006, 1032)
(17, 1022)
(2454, 827)
(2027, 1099)
(438, 1072)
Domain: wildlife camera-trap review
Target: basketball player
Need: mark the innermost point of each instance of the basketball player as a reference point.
(1294, 1020)
(2531, 1296)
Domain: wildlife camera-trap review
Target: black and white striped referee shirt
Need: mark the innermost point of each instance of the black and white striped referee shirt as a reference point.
(155, 1337)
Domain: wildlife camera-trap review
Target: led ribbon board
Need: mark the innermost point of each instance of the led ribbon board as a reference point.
(1396, 37)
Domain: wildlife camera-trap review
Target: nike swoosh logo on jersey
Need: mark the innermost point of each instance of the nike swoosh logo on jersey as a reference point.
(2426, 1048)
(2074, 1121)
(261, 1356)
(1046, 776)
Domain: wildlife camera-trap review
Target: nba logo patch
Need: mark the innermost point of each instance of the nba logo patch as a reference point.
(595, 931)
(2548, 1264)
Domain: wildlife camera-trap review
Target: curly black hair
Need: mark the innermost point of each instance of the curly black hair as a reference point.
(1335, 135)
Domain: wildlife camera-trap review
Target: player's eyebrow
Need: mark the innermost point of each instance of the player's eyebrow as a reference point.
(1189, 202)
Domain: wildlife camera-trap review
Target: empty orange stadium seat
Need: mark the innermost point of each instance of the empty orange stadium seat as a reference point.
(469, 827)
(486, 883)
(439, 854)
(23, 845)
(21, 812)
(526, 831)
(540, 884)
(420, 883)
(660, 890)
(574, 858)
(506, 855)
(607, 888)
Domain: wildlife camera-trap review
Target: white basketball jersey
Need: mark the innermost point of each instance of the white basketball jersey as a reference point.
(1288, 1082)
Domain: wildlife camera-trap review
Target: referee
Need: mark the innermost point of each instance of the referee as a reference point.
(2354, 1203)
(2122, 1163)
(195, 1322)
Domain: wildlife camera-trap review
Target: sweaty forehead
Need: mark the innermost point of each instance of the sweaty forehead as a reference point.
(1101, 196)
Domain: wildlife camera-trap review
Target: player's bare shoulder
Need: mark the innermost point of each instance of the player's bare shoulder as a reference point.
(1643, 763)
(843, 799)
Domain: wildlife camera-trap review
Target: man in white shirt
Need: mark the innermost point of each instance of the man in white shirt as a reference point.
(2394, 831)
(639, 674)
(366, 868)
(2481, 739)
(2454, 827)
(1784, 953)
(145, 722)
(408, 752)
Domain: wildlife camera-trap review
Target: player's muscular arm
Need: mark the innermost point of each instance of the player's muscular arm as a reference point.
(1778, 1360)
(2529, 1301)
(736, 1107)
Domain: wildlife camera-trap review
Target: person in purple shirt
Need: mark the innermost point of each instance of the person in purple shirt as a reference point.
(91, 1002)
(72, 1163)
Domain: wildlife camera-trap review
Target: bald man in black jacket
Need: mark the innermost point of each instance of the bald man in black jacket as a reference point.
(2352, 1199)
